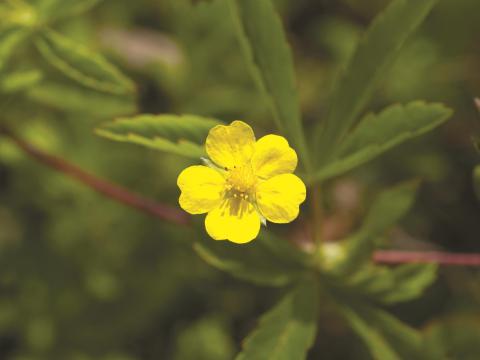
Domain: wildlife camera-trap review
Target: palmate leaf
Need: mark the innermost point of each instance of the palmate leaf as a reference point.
(379, 133)
(264, 42)
(389, 286)
(386, 210)
(178, 134)
(288, 330)
(379, 47)
(386, 337)
(266, 261)
(82, 65)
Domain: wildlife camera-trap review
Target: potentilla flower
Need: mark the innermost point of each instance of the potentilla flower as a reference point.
(244, 182)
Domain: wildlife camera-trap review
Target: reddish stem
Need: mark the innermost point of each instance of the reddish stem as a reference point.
(438, 257)
(113, 191)
(176, 216)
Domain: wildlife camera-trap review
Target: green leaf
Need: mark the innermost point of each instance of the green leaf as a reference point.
(376, 51)
(288, 330)
(267, 51)
(20, 80)
(82, 65)
(254, 262)
(387, 209)
(178, 134)
(403, 283)
(10, 38)
(386, 337)
(72, 98)
(390, 206)
(379, 133)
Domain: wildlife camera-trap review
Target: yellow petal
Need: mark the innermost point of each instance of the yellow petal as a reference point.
(202, 189)
(231, 145)
(273, 156)
(235, 220)
(278, 198)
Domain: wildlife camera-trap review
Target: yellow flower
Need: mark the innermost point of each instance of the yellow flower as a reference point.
(245, 182)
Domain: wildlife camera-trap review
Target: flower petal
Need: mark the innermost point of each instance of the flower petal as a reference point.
(230, 145)
(278, 198)
(273, 156)
(202, 189)
(235, 220)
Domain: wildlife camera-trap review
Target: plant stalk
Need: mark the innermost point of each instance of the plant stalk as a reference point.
(437, 257)
(176, 216)
(113, 191)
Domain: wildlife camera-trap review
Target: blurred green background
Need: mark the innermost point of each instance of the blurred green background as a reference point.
(82, 277)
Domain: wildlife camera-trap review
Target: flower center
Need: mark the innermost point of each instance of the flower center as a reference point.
(241, 182)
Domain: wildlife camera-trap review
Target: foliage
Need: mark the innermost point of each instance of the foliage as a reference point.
(288, 330)
(263, 39)
(386, 337)
(381, 43)
(378, 133)
(182, 135)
